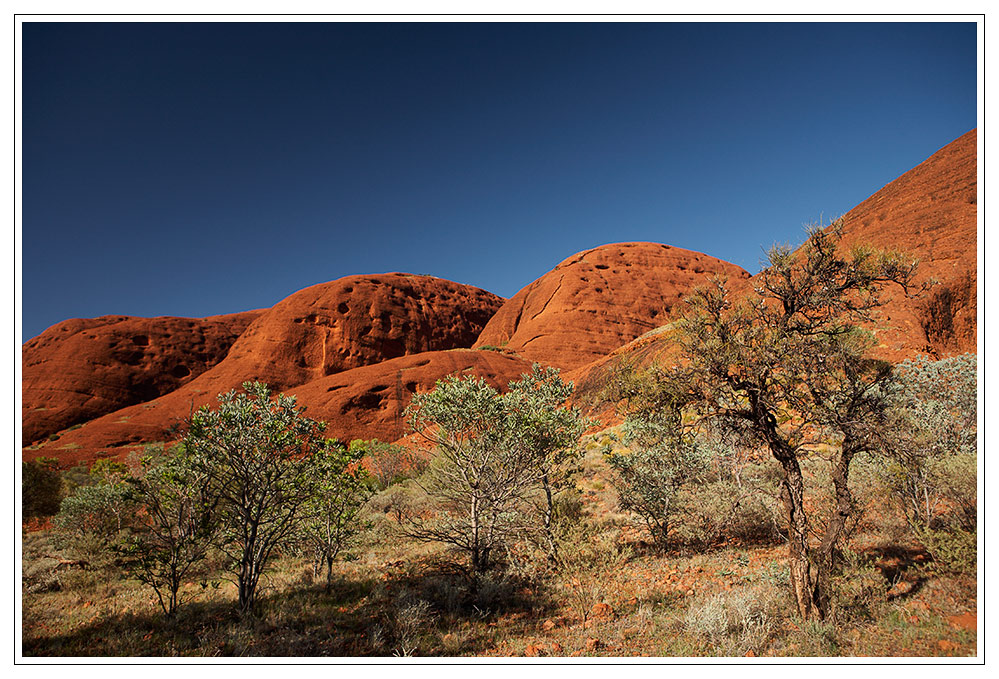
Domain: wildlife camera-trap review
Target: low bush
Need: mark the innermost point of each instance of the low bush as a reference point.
(954, 549)
(41, 488)
(737, 622)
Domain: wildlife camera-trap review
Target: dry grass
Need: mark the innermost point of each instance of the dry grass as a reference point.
(616, 596)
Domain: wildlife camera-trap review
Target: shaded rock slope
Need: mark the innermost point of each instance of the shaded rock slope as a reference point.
(84, 368)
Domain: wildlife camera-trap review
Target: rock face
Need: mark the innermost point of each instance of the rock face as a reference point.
(597, 300)
(364, 402)
(931, 212)
(355, 321)
(314, 333)
(369, 402)
(84, 368)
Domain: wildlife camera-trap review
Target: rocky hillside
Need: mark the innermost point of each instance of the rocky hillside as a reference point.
(930, 212)
(354, 350)
(316, 332)
(84, 368)
(597, 300)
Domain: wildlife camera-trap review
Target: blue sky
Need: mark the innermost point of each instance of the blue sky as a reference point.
(200, 169)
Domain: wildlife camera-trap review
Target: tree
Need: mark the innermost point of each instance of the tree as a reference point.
(388, 463)
(497, 460)
(41, 488)
(548, 431)
(256, 453)
(788, 366)
(99, 511)
(173, 527)
(662, 458)
(478, 486)
(341, 485)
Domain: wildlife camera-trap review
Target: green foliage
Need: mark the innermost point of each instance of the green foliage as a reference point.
(930, 456)
(954, 550)
(41, 488)
(107, 471)
(499, 461)
(548, 430)
(95, 518)
(256, 454)
(170, 535)
(340, 487)
(787, 368)
(660, 460)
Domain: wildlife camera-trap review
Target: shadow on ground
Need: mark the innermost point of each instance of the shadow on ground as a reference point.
(431, 612)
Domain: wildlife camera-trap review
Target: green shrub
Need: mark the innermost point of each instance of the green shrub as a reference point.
(930, 456)
(660, 461)
(41, 488)
(954, 550)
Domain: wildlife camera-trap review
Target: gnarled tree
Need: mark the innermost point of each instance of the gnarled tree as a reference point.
(788, 367)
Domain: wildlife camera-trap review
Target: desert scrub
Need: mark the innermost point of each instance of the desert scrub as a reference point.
(412, 622)
(734, 623)
(39, 566)
(954, 550)
(858, 590)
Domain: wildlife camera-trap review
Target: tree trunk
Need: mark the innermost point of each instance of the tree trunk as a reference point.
(476, 556)
(837, 524)
(548, 517)
(803, 583)
(329, 572)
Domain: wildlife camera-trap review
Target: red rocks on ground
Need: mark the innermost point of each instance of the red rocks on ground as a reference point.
(968, 621)
(602, 612)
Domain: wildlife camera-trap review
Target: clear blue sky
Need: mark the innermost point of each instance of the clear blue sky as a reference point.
(200, 169)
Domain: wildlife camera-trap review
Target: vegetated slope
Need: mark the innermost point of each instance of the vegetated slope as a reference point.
(368, 402)
(316, 332)
(930, 212)
(597, 300)
(84, 368)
